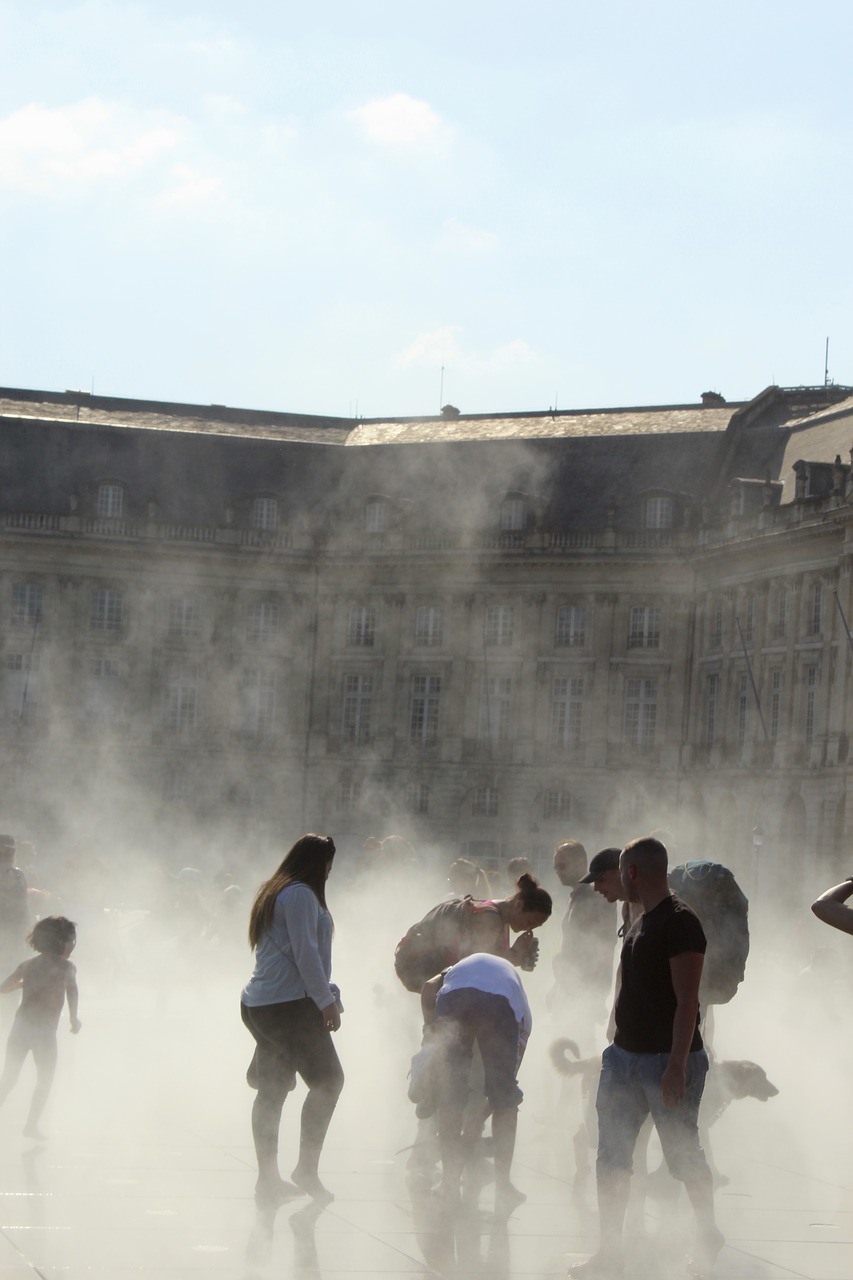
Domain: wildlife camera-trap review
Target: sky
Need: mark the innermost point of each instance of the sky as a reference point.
(375, 208)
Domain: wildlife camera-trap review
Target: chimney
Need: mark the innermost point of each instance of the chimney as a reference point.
(712, 398)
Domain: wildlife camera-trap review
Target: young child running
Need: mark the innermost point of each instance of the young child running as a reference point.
(44, 982)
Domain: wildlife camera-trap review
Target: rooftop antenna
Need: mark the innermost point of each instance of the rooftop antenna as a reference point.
(826, 365)
(441, 390)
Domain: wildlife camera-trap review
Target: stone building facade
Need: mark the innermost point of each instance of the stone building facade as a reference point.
(483, 632)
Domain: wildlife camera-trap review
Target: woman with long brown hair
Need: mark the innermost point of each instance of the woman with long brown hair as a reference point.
(291, 1008)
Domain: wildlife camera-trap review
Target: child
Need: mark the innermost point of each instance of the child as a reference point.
(45, 982)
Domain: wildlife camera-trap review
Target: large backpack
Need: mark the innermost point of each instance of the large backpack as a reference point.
(434, 943)
(712, 892)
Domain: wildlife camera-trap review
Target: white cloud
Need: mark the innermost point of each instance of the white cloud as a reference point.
(457, 238)
(192, 187)
(443, 347)
(45, 149)
(399, 120)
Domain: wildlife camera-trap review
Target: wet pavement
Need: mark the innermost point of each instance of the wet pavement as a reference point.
(150, 1173)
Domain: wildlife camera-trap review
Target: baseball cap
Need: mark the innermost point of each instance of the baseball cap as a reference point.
(604, 860)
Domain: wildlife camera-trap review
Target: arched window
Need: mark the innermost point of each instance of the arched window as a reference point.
(110, 500)
(659, 513)
(377, 515)
(264, 513)
(513, 513)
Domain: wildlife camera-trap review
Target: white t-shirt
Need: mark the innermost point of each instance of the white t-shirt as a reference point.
(494, 975)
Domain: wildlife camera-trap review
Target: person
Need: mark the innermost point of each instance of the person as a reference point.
(466, 878)
(14, 910)
(583, 967)
(657, 1063)
(479, 1000)
(291, 1007)
(605, 877)
(45, 983)
(831, 907)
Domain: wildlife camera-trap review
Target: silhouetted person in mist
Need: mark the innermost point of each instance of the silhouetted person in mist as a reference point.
(465, 877)
(831, 906)
(583, 967)
(479, 1001)
(657, 1063)
(45, 983)
(14, 910)
(291, 1008)
(518, 866)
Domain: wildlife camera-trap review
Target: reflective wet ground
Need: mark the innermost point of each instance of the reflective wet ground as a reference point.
(149, 1171)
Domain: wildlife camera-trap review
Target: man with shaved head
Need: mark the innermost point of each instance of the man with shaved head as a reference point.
(657, 1063)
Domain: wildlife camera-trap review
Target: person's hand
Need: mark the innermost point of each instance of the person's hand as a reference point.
(76, 1024)
(526, 950)
(331, 1017)
(673, 1084)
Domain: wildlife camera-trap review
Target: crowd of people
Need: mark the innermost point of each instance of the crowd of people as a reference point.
(465, 959)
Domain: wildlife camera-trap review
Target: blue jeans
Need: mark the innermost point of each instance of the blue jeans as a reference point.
(629, 1090)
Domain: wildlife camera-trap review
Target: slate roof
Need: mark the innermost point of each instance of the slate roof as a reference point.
(193, 462)
(662, 420)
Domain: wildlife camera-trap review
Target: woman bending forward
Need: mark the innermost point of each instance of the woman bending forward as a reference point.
(291, 1007)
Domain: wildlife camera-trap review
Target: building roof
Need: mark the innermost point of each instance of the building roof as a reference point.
(654, 420)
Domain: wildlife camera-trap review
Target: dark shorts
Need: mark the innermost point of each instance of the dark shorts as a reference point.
(291, 1039)
(469, 1016)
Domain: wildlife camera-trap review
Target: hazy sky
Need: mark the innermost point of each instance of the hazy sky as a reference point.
(314, 207)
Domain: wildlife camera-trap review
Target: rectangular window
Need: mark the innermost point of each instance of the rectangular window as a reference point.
(780, 626)
(499, 624)
(106, 608)
(417, 797)
(361, 626)
(816, 617)
(263, 620)
(571, 626)
(181, 707)
(429, 626)
(556, 804)
(712, 709)
(512, 514)
(423, 719)
(19, 686)
(261, 689)
(183, 616)
(742, 707)
(776, 685)
(110, 501)
(357, 708)
(27, 601)
(811, 703)
(104, 691)
(349, 795)
(749, 620)
(265, 514)
(484, 802)
(566, 712)
(717, 626)
(644, 628)
(496, 710)
(641, 711)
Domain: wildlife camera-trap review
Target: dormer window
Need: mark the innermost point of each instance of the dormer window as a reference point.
(265, 514)
(110, 500)
(513, 513)
(377, 515)
(659, 513)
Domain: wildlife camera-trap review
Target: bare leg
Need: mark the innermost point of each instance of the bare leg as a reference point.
(317, 1112)
(504, 1125)
(17, 1049)
(44, 1054)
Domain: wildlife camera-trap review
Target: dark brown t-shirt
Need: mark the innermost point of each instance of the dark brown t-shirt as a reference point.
(646, 1004)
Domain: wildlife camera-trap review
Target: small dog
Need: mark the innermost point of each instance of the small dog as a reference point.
(728, 1080)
